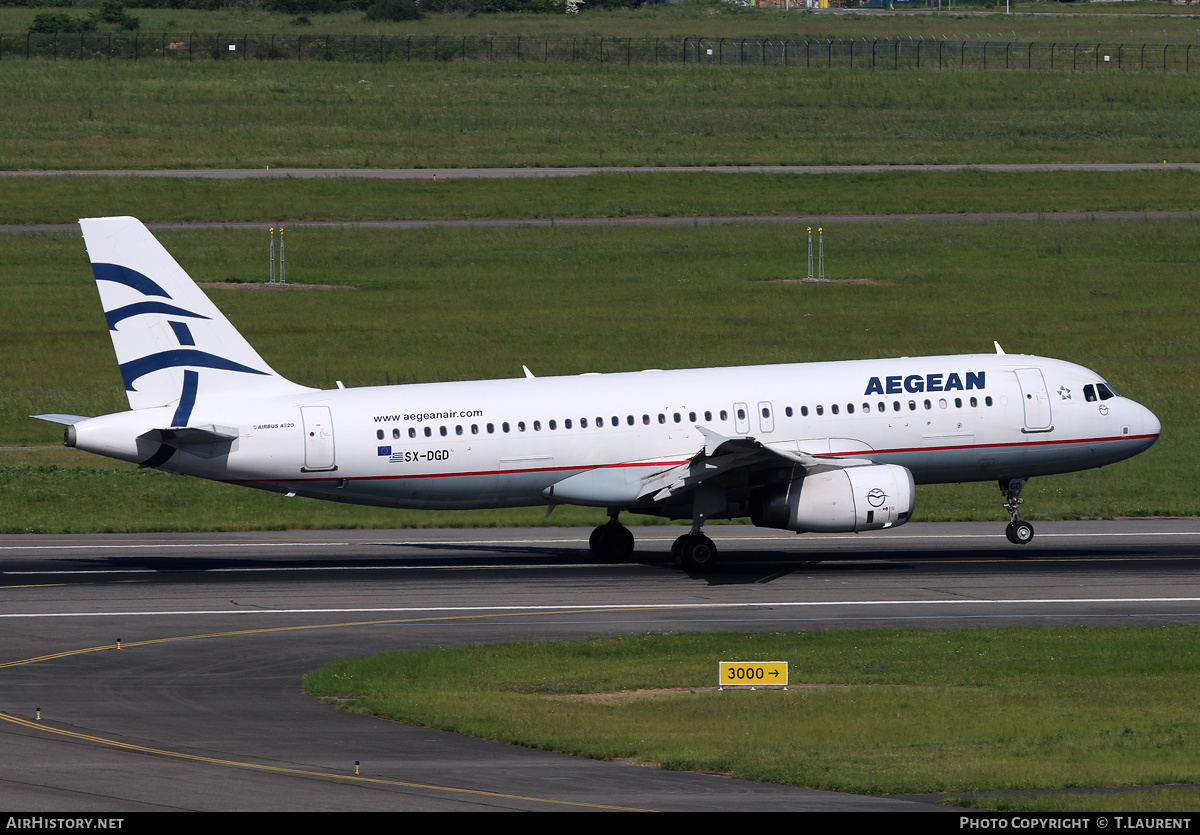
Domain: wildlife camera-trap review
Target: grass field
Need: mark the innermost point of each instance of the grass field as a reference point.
(888, 712)
(257, 114)
(477, 303)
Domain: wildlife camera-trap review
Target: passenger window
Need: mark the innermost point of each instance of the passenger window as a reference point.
(504, 426)
(491, 428)
(788, 411)
(379, 434)
(442, 431)
(428, 431)
(804, 411)
(708, 416)
(567, 423)
(553, 425)
(412, 432)
(724, 415)
(458, 430)
(537, 426)
(583, 423)
(820, 410)
(520, 426)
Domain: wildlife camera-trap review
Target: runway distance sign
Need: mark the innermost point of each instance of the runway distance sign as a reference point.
(752, 673)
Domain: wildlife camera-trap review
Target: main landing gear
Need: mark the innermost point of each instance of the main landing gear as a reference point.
(612, 542)
(694, 551)
(1018, 532)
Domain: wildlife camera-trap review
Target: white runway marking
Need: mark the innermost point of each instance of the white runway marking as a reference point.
(602, 607)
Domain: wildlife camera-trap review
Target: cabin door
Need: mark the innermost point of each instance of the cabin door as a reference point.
(318, 439)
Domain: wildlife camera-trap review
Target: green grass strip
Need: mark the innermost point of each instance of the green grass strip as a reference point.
(83, 115)
(153, 199)
(884, 712)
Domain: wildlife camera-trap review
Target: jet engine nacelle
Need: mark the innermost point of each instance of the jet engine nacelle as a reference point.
(866, 498)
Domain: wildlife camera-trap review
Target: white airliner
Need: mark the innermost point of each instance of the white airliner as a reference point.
(828, 447)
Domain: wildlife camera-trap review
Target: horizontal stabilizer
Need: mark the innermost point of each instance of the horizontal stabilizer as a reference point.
(66, 420)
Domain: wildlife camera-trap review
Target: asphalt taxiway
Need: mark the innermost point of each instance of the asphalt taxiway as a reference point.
(200, 707)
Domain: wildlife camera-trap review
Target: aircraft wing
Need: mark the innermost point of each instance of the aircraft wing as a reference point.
(722, 455)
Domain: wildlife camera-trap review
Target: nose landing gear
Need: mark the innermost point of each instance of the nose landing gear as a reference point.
(1018, 531)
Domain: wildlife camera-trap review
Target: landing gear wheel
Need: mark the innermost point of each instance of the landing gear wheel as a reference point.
(694, 552)
(611, 543)
(1019, 533)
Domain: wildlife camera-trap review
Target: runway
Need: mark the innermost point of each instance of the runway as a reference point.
(201, 709)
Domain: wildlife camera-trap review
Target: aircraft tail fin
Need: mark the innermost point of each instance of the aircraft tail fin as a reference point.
(173, 345)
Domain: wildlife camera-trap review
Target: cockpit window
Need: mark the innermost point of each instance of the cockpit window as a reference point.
(1105, 392)
(1099, 391)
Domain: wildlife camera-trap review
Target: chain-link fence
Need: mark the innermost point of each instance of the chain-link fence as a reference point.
(782, 51)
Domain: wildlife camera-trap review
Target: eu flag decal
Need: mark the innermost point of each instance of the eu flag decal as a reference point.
(384, 450)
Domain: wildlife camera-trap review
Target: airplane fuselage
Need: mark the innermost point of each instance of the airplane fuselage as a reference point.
(504, 443)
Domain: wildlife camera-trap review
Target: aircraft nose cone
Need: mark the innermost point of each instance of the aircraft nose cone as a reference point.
(1150, 424)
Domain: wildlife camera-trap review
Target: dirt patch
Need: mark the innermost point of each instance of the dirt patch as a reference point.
(869, 281)
(248, 285)
(624, 696)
